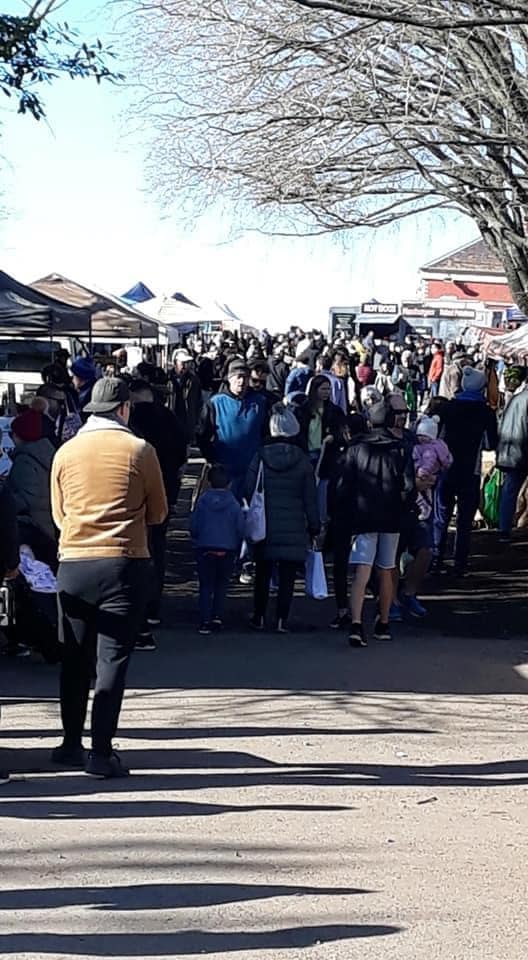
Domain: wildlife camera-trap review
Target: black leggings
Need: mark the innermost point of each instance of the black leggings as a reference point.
(287, 570)
(340, 570)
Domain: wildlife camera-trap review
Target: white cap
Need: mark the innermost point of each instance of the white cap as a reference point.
(428, 427)
(182, 356)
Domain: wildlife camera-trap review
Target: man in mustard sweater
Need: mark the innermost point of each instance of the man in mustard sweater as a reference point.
(106, 488)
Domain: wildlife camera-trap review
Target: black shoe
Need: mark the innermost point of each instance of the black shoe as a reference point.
(504, 538)
(154, 621)
(459, 572)
(257, 623)
(382, 631)
(356, 637)
(145, 641)
(106, 767)
(282, 627)
(4, 777)
(18, 650)
(216, 624)
(341, 621)
(204, 629)
(69, 756)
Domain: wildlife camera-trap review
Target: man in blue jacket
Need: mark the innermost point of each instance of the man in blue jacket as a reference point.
(232, 426)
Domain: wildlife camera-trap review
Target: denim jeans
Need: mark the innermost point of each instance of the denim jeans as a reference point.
(214, 574)
(465, 492)
(101, 603)
(513, 481)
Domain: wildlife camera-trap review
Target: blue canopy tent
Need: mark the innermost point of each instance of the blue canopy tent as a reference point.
(139, 293)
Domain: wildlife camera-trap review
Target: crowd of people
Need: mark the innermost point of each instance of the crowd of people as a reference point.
(358, 450)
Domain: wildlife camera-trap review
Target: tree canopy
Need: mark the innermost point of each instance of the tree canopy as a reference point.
(331, 114)
(35, 50)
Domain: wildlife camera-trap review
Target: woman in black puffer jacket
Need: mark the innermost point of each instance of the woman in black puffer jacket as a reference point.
(292, 517)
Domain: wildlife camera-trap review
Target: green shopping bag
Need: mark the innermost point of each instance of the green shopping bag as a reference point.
(410, 397)
(491, 494)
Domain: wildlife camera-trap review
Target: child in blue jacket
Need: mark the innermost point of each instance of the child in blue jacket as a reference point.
(217, 528)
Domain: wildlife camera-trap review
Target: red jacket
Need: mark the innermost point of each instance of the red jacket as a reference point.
(365, 374)
(437, 368)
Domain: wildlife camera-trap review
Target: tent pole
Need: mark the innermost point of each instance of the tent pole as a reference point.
(90, 334)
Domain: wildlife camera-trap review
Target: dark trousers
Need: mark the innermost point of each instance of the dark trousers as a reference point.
(465, 492)
(287, 571)
(101, 605)
(157, 539)
(513, 481)
(214, 574)
(340, 569)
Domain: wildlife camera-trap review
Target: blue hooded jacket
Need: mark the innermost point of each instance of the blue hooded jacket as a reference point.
(217, 521)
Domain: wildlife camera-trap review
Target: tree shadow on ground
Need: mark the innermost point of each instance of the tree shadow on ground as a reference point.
(186, 942)
(36, 799)
(160, 896)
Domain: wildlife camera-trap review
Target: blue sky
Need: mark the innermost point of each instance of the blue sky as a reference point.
(77, 204)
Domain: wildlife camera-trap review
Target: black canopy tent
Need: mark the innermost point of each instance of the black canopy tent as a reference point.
(25, 311)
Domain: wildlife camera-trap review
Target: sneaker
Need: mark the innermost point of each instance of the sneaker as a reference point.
(4, 777)
(356, 637)
(106, 767)
(204, 629)
(68, 756)
(282, 627)
(395, 613)
(154, 621)
(145, 641)
(216, 624)
(412, 606)
(382, 631)
(341, 621)
(246, 577)
(257, 623)
(18, 650)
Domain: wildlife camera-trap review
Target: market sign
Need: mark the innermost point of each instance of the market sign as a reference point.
(380, 308)
(422, 311)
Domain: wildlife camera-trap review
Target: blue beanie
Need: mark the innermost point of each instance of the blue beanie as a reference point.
(83, 368)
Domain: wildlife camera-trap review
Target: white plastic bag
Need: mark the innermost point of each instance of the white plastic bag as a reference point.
(315, 576)
(256, 513)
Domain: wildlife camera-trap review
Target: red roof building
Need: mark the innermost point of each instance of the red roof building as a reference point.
(470, 278)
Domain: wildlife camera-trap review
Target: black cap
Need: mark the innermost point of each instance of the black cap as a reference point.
(107, 395)
(237, 367)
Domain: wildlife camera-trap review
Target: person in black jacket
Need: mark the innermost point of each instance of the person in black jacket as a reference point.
(292, 518)
(469, 426)
(278, 372)
(9, 557)
(158, 425)
(376, 487)
(512, 457)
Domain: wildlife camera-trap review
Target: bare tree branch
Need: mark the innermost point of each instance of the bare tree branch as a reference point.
(332, 114)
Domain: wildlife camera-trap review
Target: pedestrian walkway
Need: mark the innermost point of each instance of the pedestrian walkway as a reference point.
(292, 798)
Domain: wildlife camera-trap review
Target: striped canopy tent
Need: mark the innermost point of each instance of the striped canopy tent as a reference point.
(509, 346)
